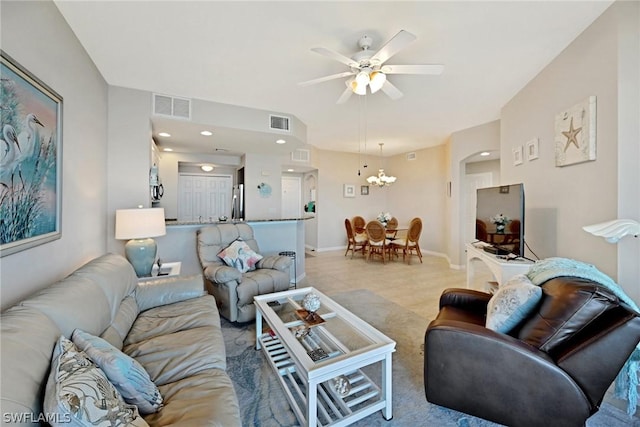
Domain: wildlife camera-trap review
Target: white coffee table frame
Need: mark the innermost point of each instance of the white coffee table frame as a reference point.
(306, 382)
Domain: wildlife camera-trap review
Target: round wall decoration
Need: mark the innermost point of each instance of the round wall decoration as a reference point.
(265, 189)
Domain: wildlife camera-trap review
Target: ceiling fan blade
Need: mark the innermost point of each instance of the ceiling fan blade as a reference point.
(391, 91)
(327, 78)
(393, 46)
(345, 96)
(413, 69)
(336, 56)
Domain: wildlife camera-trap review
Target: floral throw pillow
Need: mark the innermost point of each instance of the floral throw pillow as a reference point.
(239, 255)
(124, 372)
(79, 393)
(512, 303)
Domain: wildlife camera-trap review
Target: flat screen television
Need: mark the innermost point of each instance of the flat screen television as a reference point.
(500, 219)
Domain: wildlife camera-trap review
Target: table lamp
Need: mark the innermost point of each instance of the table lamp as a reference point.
(140, 225)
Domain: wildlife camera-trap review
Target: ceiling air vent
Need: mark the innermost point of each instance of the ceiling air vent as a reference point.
(411, 156)
(279, 123)
(300, 155)
(171, 106)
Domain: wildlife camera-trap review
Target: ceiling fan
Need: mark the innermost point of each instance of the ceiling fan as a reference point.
(368, 68)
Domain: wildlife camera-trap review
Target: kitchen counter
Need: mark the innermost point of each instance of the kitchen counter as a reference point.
(273, 235)
(171, 222)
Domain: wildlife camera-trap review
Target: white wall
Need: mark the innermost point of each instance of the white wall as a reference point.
(129, 159)
(37, 36)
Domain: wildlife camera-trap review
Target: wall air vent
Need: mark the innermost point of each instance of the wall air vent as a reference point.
(300, 155)
(279, 123)
(411, 156)
(171, 106)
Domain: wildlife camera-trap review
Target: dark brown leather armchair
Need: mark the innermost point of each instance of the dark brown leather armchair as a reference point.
(552, 370)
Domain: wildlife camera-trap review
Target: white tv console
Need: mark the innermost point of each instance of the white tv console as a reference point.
(501, 268)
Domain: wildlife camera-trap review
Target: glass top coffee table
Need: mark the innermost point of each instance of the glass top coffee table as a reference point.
(334, 367)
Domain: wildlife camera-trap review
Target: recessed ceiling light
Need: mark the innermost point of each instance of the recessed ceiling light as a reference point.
(485, 153)
(281, 141)
(289, 170)
(206, 168)
(167, 149)
(206, 133)
(165, 134)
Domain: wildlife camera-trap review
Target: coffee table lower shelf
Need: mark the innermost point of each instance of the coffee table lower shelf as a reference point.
(333, 409)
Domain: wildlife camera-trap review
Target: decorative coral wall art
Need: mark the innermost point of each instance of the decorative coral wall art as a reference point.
(575, 133)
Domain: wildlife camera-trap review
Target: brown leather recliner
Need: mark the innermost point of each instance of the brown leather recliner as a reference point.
(552, 370)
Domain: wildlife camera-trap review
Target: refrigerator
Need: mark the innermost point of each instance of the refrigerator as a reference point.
(237, 203)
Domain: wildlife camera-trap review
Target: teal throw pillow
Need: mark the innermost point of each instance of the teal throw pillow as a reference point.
(124, 372)
(512, 303)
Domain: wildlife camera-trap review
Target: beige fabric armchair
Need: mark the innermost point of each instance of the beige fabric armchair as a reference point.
(233, 290)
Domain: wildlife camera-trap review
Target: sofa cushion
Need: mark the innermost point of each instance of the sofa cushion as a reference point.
(125, 373)
(240, 256)
(78, 393)
(512, 303)
(569, 304)
(119, 328)
(177, 341)
(204, 399)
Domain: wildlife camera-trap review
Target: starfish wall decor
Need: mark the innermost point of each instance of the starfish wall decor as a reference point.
(575, 133)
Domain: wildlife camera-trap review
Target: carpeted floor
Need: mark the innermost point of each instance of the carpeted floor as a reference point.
(263, 402)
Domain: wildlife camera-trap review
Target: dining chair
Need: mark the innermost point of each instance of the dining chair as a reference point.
(409, 243)
(355, 242)
(359, 225)
(392, 228)
(378, 242)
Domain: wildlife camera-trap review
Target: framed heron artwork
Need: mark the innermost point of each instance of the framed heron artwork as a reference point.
(31, 159)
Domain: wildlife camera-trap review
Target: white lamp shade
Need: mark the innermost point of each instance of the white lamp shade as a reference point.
(140, 223)
(378, 78)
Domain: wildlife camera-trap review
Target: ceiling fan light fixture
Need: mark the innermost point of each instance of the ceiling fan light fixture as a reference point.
(357, 88)
(377, 79)
(363, 77)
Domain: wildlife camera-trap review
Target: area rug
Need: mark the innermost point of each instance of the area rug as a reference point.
(263, 402)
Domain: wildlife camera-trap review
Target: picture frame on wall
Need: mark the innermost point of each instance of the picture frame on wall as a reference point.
(517, 155)
(349, 190)
(364, 190)
(31, 175)
(532, 149)
(575, 133)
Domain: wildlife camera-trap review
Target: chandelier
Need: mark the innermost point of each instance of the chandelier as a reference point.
(381, 180)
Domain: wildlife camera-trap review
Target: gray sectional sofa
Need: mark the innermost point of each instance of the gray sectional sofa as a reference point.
(169, 325)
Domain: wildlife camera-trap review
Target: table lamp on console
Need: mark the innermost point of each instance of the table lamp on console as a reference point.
(139, 226)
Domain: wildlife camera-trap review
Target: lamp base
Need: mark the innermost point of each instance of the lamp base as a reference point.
(141, 253)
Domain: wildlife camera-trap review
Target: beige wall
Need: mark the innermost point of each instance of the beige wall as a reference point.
(560, 200)
(462, 145)
(37, 36)
(420, 191)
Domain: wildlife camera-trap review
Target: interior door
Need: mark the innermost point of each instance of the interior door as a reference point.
(204, 198)
(291, 197)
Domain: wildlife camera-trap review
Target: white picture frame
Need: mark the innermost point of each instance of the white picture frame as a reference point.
(575, 133)
(532, 149)
(517, 155)
(349, 190)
